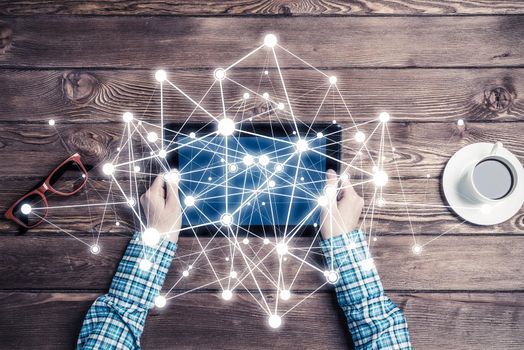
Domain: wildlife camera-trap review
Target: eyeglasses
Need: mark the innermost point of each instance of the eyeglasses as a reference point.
(65, 180)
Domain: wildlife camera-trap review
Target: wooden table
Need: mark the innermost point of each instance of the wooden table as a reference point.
(427, 63)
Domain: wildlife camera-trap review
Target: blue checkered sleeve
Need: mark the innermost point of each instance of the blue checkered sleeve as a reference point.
(116, 319)
(374, 321)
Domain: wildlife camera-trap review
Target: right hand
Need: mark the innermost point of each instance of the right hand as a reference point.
(342, 213)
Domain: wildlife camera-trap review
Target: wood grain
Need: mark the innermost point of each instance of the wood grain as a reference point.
(190, 42)
(447, 263)
(437, 321)
(422, 95)
(259, 7)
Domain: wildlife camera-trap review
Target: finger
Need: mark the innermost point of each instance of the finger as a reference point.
(157, 187)
(172, 189)
(331, 186)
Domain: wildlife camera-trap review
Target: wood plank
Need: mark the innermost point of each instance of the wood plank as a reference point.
(422, 95)
(447, 263)
(203, 320)
(188, 42)
(259, 7)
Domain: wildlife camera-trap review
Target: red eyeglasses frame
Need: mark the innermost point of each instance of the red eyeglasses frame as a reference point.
(44, 188)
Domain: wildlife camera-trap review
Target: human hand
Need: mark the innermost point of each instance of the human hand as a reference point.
(342, 212)
(162, 206)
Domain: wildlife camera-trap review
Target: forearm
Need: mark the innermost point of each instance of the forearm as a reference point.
(373, 319)
(119, 316)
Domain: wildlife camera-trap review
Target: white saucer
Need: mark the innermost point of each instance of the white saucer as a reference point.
(464, 205)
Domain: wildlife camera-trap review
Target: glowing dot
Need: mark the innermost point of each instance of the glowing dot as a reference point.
(233, 274)
(384, 117)
(162, 153)
(334, 121)
(485, 208)
(285, 294)
(265, 95)
(117, 223)
(233, 168)
(190, 267)
(282, 248)
(185, 273)
(246, 95)
(151, 237)
(192, 135)
(263, 203)
(352, 245)
(330, 191)
(219, 74)
(131, 202)
(51, 122)
(152, 136)
(227, 258)
(344, 177)
(226, 126)
(302, 178)
(270, 40)
(222, 160)
(315, 224)
(381, 202)
(128, 117)
(360, 137)
(95, 249)
(136, 168)
(263, 160)
(272, 183)
(322, 201)
(248, 160)
(320, 135)
(380, 178)
(226, 219)
(108, 169)
(160, 301)
(266, 241)
(245, 241)
(367, 264)
(145, 265)
(280, 106)
(417, 249)
(266, 72)
(209, 178)
(160, 75)
(274, 321)
(227, 294)
(302, 145)
(332, 80)
(26, 209)
(172, 177)
(279, 168)
(460, 122)
(375, 239)
(189, 201)
(332, 276)
(428, 176)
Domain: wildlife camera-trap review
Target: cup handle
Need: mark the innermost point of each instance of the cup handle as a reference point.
(496, 147)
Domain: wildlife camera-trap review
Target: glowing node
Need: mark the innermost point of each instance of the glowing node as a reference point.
(281, 106)
(381, 202)
(131, 202)
(266, 72)
(128, 117)
(417, 249)
(263, 203)
(360, 137)
(351, 245)
(190, 267)
(185, 273)
(334, 121)
(108, 169)
(160, 75)
(375, 239)
(219, 74)
(26, 209)
(172, 177)
(282, 248)
(233, 274)
(145, 265)
(302, 145)
(160, 301)
(485, 208)
(270, 40)
(274, 321)
(322, 201)
(266, 241)
(162, 153)
(226, 127)
(248, 160)
(151, 236)
(265, 95)
(272, 183)
(136, 168)
(152, 136)
(285, 294)
(332, 276)
(246, 95)
(226, 219)
(209, 178)
(245, 241)
(380, 178)
(315, 224)
(279, 168)
(332, 80)
(344, 177)
(320, 135)
(189, 201)
(233, 168)
(192, 135)
(384, 117)
(330, 191)
(302, 178)
(52, 122)
(460, 122)
(367, 264)
(263, 160)
(95, 249)
(227, 294)
(117, 223)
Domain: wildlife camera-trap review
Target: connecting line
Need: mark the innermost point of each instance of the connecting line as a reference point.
(197, 288)
(79, 205)
(62, 230)
(303, 61)
(193, 101)
(243, 58)
(304, 299)
(285, 91)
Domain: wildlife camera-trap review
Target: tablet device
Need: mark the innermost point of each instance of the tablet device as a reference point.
(261, 175)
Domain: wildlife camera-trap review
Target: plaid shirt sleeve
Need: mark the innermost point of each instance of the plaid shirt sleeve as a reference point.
(116, 319)
(374, 321)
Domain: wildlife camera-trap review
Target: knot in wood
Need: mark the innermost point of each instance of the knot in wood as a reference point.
(499, 99)
(6, 37)
(79, 87)
(284, 10)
